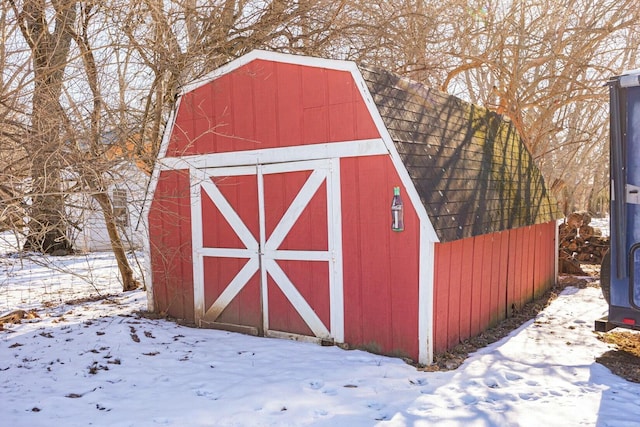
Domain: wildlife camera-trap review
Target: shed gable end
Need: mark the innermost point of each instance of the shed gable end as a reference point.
(267, 104)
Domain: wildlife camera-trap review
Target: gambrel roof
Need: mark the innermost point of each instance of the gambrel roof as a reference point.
(472, 171)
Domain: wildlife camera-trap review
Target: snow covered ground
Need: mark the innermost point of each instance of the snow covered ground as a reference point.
(100, 363)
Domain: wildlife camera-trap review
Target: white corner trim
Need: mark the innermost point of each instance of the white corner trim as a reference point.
(336, 279)
(147, 271)
(426, 279)
(195, 178)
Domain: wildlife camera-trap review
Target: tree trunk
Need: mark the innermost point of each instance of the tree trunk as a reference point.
(126, 273)
(50, 53)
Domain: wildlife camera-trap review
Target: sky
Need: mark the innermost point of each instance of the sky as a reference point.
(103, 362)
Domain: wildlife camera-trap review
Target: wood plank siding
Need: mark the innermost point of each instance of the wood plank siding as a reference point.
(481, 280)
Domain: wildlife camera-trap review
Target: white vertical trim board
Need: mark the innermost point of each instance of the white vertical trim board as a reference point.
(147, 270)
(334, 217)
(196, 178)
(264, 289)
(426, 273)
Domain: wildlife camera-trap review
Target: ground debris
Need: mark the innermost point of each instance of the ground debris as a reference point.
(624, 359)
(16, 316)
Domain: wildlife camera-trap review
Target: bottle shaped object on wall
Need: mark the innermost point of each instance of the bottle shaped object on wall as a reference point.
(397, 211)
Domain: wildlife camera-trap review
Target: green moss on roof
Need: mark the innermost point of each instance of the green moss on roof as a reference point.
(471, 169)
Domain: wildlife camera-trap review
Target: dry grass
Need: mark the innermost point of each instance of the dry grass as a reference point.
(624, 359)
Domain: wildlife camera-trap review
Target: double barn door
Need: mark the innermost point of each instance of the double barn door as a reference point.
(267, 249)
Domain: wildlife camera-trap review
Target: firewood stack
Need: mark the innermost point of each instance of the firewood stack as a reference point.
(580, 243)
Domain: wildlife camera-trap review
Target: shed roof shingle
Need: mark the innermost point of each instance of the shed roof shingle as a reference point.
(469, 165)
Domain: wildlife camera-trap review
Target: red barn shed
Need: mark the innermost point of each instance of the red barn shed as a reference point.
(271, 209)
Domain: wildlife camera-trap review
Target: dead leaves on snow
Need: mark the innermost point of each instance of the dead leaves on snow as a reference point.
(624, 360)
(17, 316)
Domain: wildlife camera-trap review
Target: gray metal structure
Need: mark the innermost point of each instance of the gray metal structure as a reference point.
(620, 274)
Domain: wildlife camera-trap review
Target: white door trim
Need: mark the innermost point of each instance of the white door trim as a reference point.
(263, 255)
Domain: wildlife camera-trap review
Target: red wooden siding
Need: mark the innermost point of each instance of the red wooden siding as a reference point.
(267, 104)
(170, 244)
(310, 278)
(380, 266)
(242, 193)
(479, 280)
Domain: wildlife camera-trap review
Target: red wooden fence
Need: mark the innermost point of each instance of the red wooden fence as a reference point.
(481, 280)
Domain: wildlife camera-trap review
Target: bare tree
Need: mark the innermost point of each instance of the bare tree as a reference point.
(543, 64)
(47, 31)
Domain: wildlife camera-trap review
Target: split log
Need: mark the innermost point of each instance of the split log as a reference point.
(580, 243)
(586, 231)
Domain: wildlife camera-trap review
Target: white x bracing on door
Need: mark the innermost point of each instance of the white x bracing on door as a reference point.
(263, 253)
